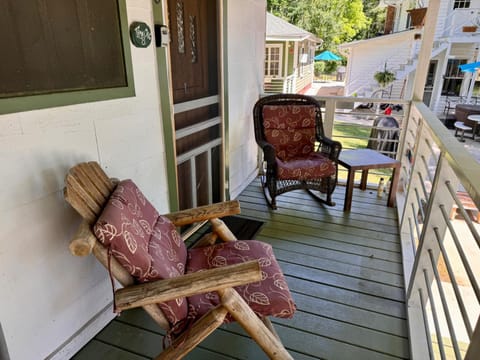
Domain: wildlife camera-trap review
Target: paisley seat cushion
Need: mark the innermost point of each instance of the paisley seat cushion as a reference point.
(313, 166)
(268, 297)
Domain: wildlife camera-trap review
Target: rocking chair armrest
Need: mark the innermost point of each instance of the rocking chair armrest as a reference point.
(202, 213)
(333, 148)
(269, 152)
(187, 285)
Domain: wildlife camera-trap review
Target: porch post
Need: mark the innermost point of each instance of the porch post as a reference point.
(426, 49)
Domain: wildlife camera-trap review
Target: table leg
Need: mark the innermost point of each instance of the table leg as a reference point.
(393, 187)
(363, 180)
(349, 190)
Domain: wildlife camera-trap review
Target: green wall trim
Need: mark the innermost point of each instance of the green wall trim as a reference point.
(33, 102)
(166, 110)
(225, 102)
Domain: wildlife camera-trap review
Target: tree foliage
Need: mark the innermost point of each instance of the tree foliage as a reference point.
(334, 21)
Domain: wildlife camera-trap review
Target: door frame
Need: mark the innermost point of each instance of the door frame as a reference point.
(167, 108)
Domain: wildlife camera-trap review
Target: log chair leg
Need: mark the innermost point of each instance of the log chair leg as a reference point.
(245, 316)
(219, 228)
(193, 336)
(266, 321)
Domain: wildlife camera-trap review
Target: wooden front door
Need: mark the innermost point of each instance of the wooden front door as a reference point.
(198, 130)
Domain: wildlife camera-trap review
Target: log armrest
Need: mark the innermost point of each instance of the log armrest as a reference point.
(187, 285)
(202, 213)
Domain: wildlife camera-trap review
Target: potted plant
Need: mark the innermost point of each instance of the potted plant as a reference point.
(384, 77)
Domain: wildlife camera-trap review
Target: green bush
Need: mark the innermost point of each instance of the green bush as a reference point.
(319, 68)
(325, 67)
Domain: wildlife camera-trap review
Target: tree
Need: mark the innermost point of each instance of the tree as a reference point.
(334, 21)
(376, 20)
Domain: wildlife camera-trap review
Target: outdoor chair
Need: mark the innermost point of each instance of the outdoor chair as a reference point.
(296, 152)
(189, 293)
(384, 136)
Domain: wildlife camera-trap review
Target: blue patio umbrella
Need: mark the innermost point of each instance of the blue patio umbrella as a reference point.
(471, 67)
(327, 56)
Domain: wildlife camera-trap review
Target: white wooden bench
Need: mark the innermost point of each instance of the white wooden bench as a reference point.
(460, 126)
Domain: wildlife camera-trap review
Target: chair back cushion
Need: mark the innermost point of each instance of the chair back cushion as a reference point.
(268, 297)
(145, 243)
(290, 129)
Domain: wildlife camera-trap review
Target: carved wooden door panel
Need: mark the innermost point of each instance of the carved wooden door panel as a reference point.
(194, 60)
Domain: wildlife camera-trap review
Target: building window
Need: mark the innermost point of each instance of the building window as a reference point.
(63, 52)
(453, 78)
(273, 60)
(461, 4)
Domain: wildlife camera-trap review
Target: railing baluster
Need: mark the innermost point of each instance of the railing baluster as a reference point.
(426, 326)
(454, 283)
(464, 213)
(463, 256)
(434, 315)
(444, 305)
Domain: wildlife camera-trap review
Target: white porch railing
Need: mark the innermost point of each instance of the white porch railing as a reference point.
(459, 19)
(440, 254)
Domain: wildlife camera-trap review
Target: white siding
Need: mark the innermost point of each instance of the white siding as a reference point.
(47, 295)
(370, 57)
(245, 81)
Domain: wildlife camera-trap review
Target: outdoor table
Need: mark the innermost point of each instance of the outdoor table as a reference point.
(476, 119)
(366, 159)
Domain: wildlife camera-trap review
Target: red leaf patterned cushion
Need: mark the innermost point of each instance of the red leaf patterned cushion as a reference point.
(268, 297)
(144, 242)
(290, 129)
(313, 166)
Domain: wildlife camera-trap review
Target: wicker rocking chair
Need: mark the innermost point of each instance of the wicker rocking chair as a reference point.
(189, 293)
(296, 152)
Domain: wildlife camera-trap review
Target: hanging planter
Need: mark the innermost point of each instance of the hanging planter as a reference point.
(417, 17)
(385, 77)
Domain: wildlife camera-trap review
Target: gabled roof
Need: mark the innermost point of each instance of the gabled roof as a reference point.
(279, 29)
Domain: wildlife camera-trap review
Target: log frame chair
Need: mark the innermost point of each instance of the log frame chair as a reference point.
(271, 184)
(88, 189)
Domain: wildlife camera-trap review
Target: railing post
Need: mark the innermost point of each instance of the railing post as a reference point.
(426, 49)
(330, 107)
(473, 352)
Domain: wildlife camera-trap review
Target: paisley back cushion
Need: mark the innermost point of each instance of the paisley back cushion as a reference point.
(145, 243)
(290, 129)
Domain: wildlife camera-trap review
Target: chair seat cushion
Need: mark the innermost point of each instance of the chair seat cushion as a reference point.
(268, 297)
(145, 243)
(313, 166)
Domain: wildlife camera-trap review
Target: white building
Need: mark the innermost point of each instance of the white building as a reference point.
(454, 44)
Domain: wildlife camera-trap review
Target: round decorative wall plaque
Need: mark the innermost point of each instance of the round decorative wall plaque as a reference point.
(140, 34)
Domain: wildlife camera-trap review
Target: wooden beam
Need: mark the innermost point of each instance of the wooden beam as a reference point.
(83, 241)
(219, 228)
(187, 285)
(194, 335)
(202, 213)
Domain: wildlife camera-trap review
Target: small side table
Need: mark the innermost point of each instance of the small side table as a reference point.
(476, 123)
(366, 159)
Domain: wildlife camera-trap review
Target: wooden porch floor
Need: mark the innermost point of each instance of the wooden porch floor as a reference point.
(345, 274)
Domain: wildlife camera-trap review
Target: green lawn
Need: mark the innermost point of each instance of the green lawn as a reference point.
(353, 136)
